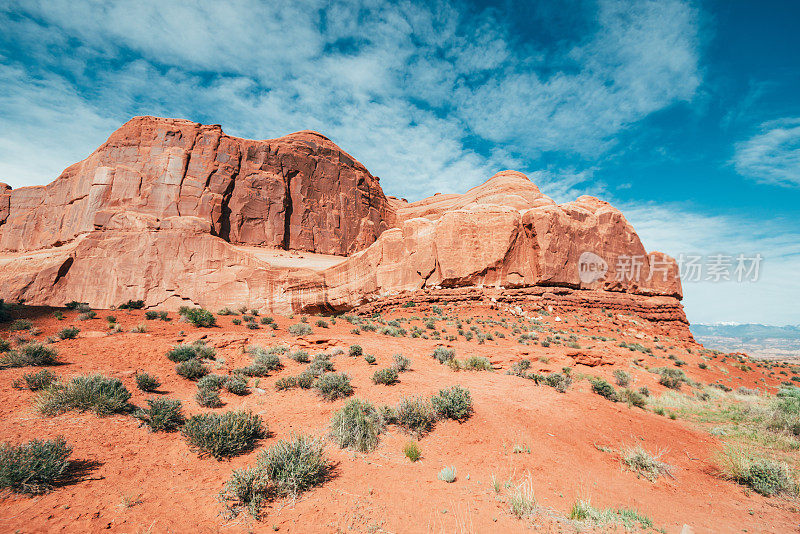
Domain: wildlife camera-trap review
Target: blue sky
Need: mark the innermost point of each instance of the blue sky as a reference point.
(684, 115)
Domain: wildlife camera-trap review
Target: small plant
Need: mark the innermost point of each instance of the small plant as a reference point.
(443, 355)
(386, 376)
(412, 451)
(453, 403)
(356, 351)
(416, 415)
(97, 393)
(644, 464)
(87, 315)
(604, 389)
(208, 398)
(237, 385)
(322, 324)
(223, 435)
(246, 489)
(332, 386)
(211, 381)
(633, 398)
(763, 475)
(192, 369)
(33, 467)
(198, 317)
(31, 354)
(370, 359)
(151, 315)
(300, 356)
(671, 378)
(447, 474)
(357, 426)
(147, 382)
(294, 466)
(35, 381)
(320, 364)
(189, 351)
(20, 325)
(70, 332)
(623, 378)
(521, 502)
(300, 329)
(161, 415)
(401, 363)
(132, 305)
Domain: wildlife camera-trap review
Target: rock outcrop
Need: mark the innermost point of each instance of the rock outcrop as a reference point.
(173, 212)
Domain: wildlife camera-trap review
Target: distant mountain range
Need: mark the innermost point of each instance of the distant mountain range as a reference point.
(756, 340)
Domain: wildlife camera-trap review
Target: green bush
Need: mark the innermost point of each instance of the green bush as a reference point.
(189, 351)
(19, 325)
(223, 435)
(246, 489)
(357, 426)
(604, 389)
(287, 382)
(453, 403)
(444, 355)
(151, 315)
(320, 364)
(356, 351)
(237, 385)
(416, 415)
(332, 386)
(300, 329)
(633, 398)
(31, 354)
(293, 466)
(322, 324)
(768, 477)
(477, 363)
(35, 381)
(198, 316)
(71, 332)
(191, 369)
(300, 356)
(147, 382)
(671, 378)
(623, 378)
(33, 467)
(412, 451)
(211, 381)
(263, 362)
(208, 398)
(370, 359)
(132, 305)
(401, 363)
(97, 393)
(161, 415)
(386, 376)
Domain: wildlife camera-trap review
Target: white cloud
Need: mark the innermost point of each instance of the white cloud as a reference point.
(407, 89)
(772, 156)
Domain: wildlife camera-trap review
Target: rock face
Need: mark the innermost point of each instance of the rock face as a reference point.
(174, 212)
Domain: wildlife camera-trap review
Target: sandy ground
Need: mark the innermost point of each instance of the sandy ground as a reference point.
(137, 481)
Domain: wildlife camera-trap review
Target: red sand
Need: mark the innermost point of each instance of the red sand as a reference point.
(152, 482)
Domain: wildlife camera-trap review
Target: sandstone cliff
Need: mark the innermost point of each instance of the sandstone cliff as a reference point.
(174, 212)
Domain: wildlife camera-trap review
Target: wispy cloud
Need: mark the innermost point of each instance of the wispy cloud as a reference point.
(429, 97)
(772, 156)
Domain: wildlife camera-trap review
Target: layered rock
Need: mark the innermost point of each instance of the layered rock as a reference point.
(173, 212)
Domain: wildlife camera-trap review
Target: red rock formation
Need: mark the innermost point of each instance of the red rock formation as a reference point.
(174, 212)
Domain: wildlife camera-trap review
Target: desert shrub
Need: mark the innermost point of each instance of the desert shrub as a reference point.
(139, 328)
(190, 351)
(444, 355)
(20, 325)
(164, 316)
(132, 305)
(87, 315)
(287, 382)
(246, 489)
(293, 466)
(320, 364)
(644, 464)
(33, 467)
(702, 365)
(300, 356)
(97, 393)
(161, 414)
(147, 382)
(623, 378)
(518, 368)
(198, 316)
(453, 403)
(604, 389)
(322, 324)
(447, 474)
(370, 359)
(191, 369)
(237, 385)
(671, 378)
(415, 415)
(356, 351)
(305, 380)
(643, 391)
(267, 320)
(300, 329)
(30, 354)
(386, 376)
(412, 451)
(357, 426)
(236, 321)
(151, 315)
(763, 475)
(263, 364)
(559, 382)
(332, 386)
(477, 363)
(401, 363)
(73, 304)
(521, 501)
(70, 332)
(208, 398)
(223, 435)
(633, 398)
(5, 346)
(35, 381)
(211, 381)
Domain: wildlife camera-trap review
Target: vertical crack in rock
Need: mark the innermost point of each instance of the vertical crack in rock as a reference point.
(288, 208)
(225, 209)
